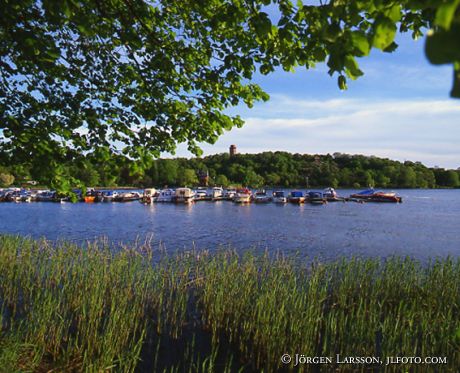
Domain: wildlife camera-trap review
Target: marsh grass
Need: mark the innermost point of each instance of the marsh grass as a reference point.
(64, 308)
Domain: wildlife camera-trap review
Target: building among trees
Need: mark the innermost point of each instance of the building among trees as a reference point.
(203, 177)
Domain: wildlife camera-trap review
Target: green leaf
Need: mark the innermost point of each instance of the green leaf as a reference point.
(360, 43)
(445, 14)
(384, 32)
(332, 32)
(352, 67)
(262, 24)
(394, 13)
(442, 46)
(66, 8)
(342, 82)
(335, 62)
(30, 42)
(319, 54)
(53, 55)
(265, 69)
(391, 48)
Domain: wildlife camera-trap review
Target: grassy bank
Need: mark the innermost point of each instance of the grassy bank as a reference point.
(66, 308)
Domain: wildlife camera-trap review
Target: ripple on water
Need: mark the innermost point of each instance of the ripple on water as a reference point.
(427, 222)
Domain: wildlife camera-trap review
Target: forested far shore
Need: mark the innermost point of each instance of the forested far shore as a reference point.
(280, 169)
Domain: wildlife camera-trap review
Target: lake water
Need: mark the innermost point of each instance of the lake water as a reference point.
(426, 224)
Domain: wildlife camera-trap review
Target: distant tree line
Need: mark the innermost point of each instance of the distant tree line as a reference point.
(279, 169)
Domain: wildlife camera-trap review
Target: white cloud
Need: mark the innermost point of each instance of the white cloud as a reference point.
(417, 130)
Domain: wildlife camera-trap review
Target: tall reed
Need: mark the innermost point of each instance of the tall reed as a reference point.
(92, 309)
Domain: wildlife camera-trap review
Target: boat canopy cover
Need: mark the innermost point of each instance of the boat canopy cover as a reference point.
(367, 192)
(296, 193)
(184, 192)
(315, 194)
(243, 191)
(279, 194)
(149, 191)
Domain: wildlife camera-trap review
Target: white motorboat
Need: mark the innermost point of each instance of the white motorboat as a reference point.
(184, 195)
(217, 193)
(165, 195)
(201, 194)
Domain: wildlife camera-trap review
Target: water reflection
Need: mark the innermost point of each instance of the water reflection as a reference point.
(426, 224)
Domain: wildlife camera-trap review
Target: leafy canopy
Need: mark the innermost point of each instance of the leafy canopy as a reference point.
(139, 76)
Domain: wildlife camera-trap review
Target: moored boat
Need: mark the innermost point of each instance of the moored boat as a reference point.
(243, 195)
(109, 196)
(315, 198)
(297, 197)
(128, 197)
(201, 194)
(279, 196)
(184, 195)
(90, 196)
(370, 195)
(99, 196)
(217, 193)
(13, 196)
(90, 199)
(45, 196)
(229, 194)
(149, 196)
(331, 195)
(386, 197)
(165, 196)
(261, 196)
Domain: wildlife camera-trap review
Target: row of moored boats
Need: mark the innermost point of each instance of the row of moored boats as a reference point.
(188, 195)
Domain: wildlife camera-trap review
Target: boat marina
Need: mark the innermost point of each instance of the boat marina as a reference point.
(184, 195)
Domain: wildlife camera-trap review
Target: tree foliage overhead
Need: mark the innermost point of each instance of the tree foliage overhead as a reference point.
(140, 76)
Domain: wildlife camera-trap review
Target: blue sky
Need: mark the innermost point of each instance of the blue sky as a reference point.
(400, 109)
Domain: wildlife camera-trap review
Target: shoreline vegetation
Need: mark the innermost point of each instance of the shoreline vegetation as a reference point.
(267, 169)
(69, 308)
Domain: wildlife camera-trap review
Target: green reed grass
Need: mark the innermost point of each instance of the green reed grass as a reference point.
(91, 309)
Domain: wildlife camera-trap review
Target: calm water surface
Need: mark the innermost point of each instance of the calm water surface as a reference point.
(427, 224)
